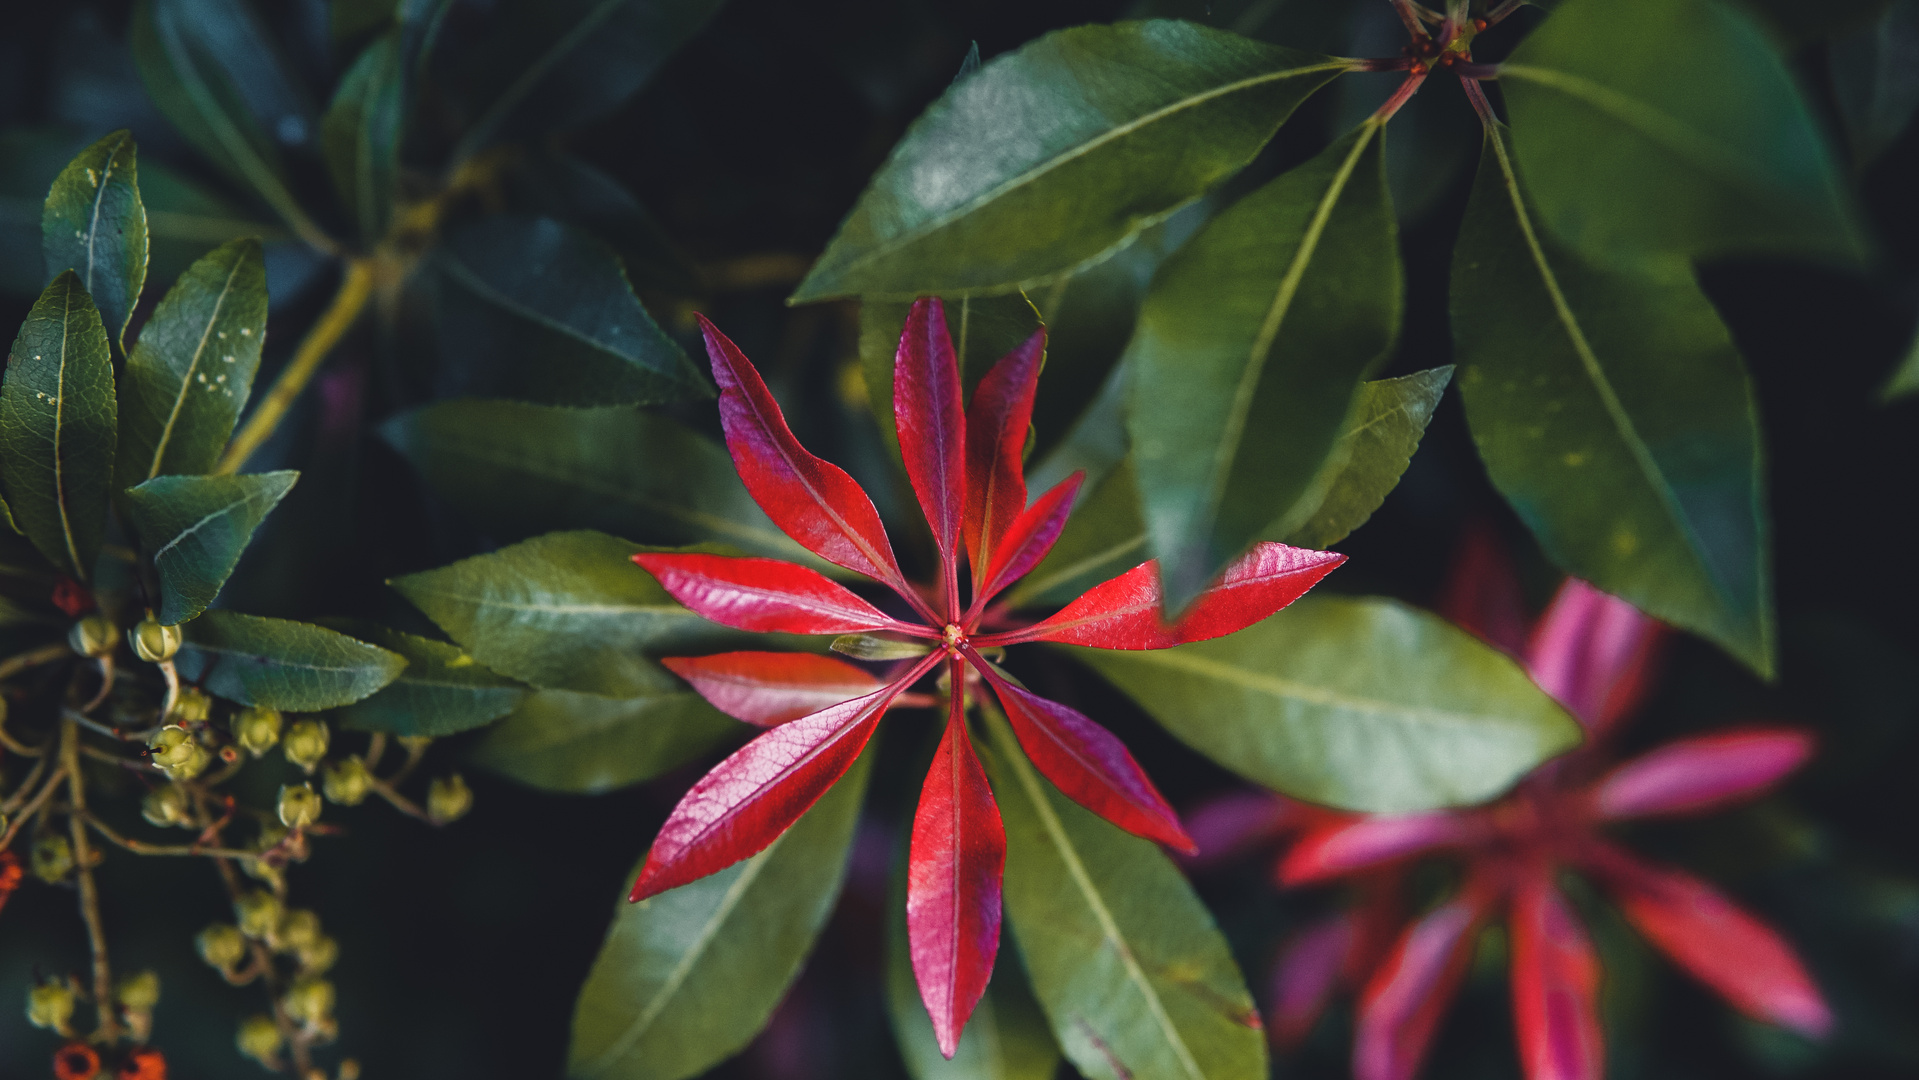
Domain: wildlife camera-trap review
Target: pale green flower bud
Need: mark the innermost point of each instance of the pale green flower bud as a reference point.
(50, 1005)
(154, 642)
(190, 706)
(258, 913)
(93, 636)
(139, 991)
(168, 805)
(298, 930)
(222, 945)
(52, 858)
(306, 743)
(346, 781)
(198, 758)
(259, 1039)
(448, 799)
(257, 728)
(310, 1001)
(318, 958)
(299, 805)
(171, 745)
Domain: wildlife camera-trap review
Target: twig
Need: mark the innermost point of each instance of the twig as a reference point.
(20, 793)
(400, 802)
(1477, 95)
(141, 847)
(45, 654)
(108, 1027)
(98, 728)
(15, 746)
(33, 806)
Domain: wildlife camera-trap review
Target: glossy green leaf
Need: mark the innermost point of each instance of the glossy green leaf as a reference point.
(688, 977)
(1054, 155)
(1249, 354)
(57, 426)
(516, 469)
(281, 664)
(442, 691)
(360, 134)
(535, 310)
(584, 744)
(1671, 128)
(1875, 79)
(95, 225)
(565, 611)
(1614, 413)
(193, 366)
(1374, 449)
(1360, 703)
(1133, 975)
(195, 528)
(554, 184)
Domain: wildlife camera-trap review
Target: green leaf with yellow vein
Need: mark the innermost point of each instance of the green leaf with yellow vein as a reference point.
(94, 224)
(443, 691)
(282, 664)
(195, 528)
(585, 744)
(360, 134)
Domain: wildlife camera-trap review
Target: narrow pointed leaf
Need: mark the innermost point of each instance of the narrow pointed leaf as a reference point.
(360, 134)
(1373, 840)
(1555, 977)
(996, 426)
(1402, 1005)
(1030, 536)
(1701, 773)
(763, 595)
(585, 744)
(767, 689)
(1135, 978)
(1306, 976)
(1249, 354)
(1905, 378)
(192, 368)
(1482, 594)
(195, 528)
(930, 412)
(687, 978)
(1104, 538)
(443, 691)
(95, 225)
(281, 664)
(1593, 653)
(550, 182)
(57, 426)
(1376, 446)
(1875, 81)
(984, 329)
(1364, 704)
(1140, 119)
(1614, 413)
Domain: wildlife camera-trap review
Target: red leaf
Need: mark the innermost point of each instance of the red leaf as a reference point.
(1087, 763)
(1594, 653)
(811, 500)
(1027, 540)
(931, 417)
(766, 595)
(1308, 973)
(1698, 774)
(1482, 593)
(1343, 848)
(1402, 1004)
(770, 688)
(1125, 612)
(996, 425)
(1723, 946)
(749, 799)
(1228, 826)
(1555, 976)
(953, 882)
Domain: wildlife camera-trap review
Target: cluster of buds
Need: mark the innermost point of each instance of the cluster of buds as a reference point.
(176, 752)
(257, 729)
(137, 994)
(50, 1005)
(346, 781)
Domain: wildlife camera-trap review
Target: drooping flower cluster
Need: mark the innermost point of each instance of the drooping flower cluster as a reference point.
(964, 463)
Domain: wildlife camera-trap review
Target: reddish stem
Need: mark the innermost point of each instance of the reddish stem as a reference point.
(1494, 16)
(1477, 95)
(1401, 96)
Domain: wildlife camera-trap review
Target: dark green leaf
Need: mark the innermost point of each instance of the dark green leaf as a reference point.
(517, 469)
(95, 225)
(193, 366)
(553, 184)
(688, 977)
(565, 611)
(1875, 79)
(1373, 450)
(348, 19)
(1649, 128)
(57, 426)
(281, 664)
(1800, 22)
(1054, 155)
(360, 134)
(1360, 703)
(584, 744)
(1614, 413)
(532, 309)
(195, 528)
(1248, 357)
(1134, 977)
(443, 691)
(1905, 380)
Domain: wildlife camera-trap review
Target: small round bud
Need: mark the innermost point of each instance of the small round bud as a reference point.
(197, 759)
(190, 706)
(93, 636)
(167, 805)
(50, 1005)
(298, 930)
(222, 946)
(145, 1063)
(448, 799)
(346, 781)
(318, 958)
(257, 728)
(171, 745)
(310, 1001)
(52, 858)
(299, 805)
(154, 642)
(349, 1070)
(306, 743)
(258, 913)
(259, 1039)
(139, 991)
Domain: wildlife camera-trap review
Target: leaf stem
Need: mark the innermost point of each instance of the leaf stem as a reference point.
(45, 654)
(33, 806)
(108, 1025)
(1400, 96)
(1481, 105)
(1496, 15)
(355, 289)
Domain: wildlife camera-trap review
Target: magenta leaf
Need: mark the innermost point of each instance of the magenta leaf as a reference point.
(1701, 773)
(1369, 841)
(766, 595)
(996, 424)
(931, 417)
(1555, 977)
(767, 689)
(1592, 652)
(1402, 1004)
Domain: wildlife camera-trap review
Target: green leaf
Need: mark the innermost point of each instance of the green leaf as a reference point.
(1134, 977)
(1875, 79)
(1053, 156)
(57, 426)
(1905, 380)
(553, 184)
(360, 134)
(348, 19)
(516, 469)
(565, 611)
(1614, 413)
(584, 744)
(1376, 447)
(1105, 537)
(1360, 703)
(516, 289)
(688, 977)
(1671, 128)
(94, 225)
(1248, 357)
(282, 664)
(193, 366)
(195, 528)
(443, 691)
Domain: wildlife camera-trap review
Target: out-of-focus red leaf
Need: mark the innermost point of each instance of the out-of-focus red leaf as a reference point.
(813, 501)
(1307, 974)
(953, 882)
(1087, 763)
(1555, 978)
(766, 595)
(769, 688)
(1125, 612)
(1226, 827)
(996, 423)
(931, 416)
(1482, 593)
(1701, 773)
(1593, 653)
(1403, 1002)
(1027, 540)
(1345, 847)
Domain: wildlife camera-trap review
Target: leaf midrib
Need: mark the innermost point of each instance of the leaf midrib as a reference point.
(59, 431)
(99, 200)
(193, 365)
(557, 609)
(241, 503)
(371, 666)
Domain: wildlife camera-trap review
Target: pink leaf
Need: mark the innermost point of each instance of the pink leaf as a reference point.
(1346, 847)
(766, 595)
(1027, 540)
(1555, 976)
(1594, 653)
(1482, 593)
(996, 425)
(769, 688)
(1226, 827)
(1402, 1004)
(1306, 976)
(931, 418)
(1698, 774)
